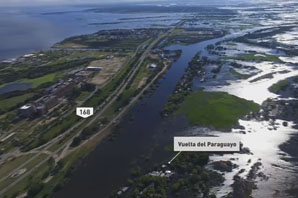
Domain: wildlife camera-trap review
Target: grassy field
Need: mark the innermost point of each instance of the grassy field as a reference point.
(103, 93)
(138, 81)
(8, 103)
(101, 43)
(9, 166)
(239, 75)
(177, 31)
(32, 181)
(62, 173)
(83, 95)
(279, 86)
(257, 58)
(231, 44)
(34, 162)
(59, 128)
(41, 80)
(69, 121)
(215, 109)
(17, 162)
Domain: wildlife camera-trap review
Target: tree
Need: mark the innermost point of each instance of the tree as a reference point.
(35, 188)
(76, 141)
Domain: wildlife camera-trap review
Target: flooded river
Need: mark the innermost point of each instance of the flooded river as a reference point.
(147, 133)
(144, 134)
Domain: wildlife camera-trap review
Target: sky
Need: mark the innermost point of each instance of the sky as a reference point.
(38, 2)
(32, 2)
(57, 2)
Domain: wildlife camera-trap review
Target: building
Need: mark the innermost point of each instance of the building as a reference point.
(91, 68)
(41, 109)
(62, 88)
(27, 111)
(84, 74)
(46, 102)
(156, 51)
(51, 98)
(170, 55)
(28, 55)
(152, 66)
(110, 57)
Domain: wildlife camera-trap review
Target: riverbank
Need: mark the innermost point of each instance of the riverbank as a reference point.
(138, 133)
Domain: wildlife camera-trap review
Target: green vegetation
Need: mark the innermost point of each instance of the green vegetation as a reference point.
(279, 86)
(177, 31)
(12, 100)
(32, 183)
(224, 166)
(158, 25)
(231, 44)
(36, 160)
(186, 36)
(19, 161)
(42, 70)
(48, 134)
(49, 129)
(88, 132)
(257, 58)
(135, 85)
(183, 88)
(189, 179)
(61, 171)
(215, 109)
(101, 95)
(42, 80)
(7, 167)
(83, 95)
(7, 104)
(131, 90)
(111, 39)
(57, 127)
(240, 75)
(94, 53)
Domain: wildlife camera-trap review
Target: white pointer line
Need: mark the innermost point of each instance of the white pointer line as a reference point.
(174, 157)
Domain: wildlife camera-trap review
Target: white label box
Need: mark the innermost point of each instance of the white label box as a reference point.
(84, 112)
(206, 144)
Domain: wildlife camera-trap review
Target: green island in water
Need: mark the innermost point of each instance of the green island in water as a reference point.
(215, 109)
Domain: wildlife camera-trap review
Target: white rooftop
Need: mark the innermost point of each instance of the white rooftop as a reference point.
(25, 107)
(153, 65)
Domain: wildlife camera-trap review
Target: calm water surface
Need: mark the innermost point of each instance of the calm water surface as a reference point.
(100, 174)
(28, 29)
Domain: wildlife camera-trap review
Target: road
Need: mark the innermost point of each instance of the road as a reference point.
(102, 107)
(117, 93)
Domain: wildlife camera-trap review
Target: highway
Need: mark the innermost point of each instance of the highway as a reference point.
(65, 148)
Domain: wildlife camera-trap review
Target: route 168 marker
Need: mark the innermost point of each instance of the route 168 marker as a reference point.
(84, 112)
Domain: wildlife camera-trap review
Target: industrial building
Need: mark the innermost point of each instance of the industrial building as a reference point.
(51, 98)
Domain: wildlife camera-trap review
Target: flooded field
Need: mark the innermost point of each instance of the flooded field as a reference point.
(263, 67)
(256, 50)
(265, 163)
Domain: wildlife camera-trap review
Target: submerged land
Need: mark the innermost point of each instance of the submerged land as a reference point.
(213, 71)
